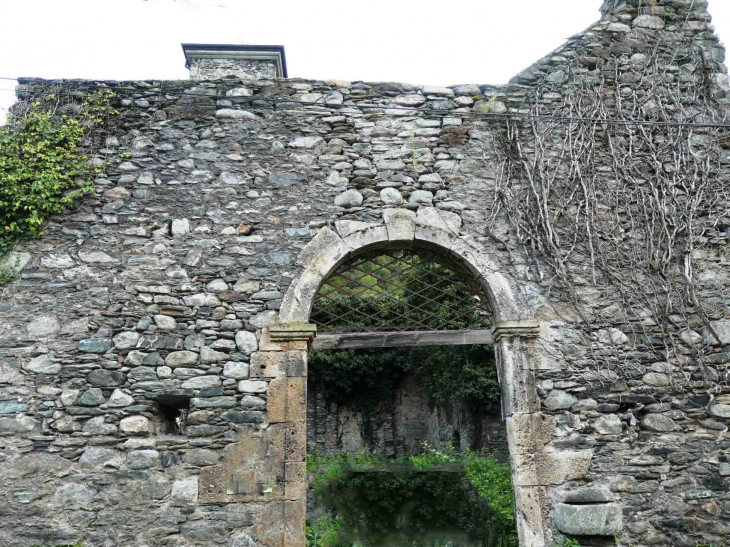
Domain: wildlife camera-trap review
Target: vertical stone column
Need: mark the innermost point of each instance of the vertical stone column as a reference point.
(528, 431)
(287, 405)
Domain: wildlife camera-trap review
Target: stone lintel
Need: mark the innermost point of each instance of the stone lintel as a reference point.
(524, 328)
(292, 332)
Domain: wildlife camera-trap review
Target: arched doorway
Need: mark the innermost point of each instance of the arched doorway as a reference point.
(513, 334)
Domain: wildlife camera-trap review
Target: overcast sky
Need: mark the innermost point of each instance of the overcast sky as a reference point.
(440, 42)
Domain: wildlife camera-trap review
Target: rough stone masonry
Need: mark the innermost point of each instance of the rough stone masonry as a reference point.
(186, 281)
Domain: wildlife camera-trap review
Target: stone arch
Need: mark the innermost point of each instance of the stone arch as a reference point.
(430, 228)
(515, 332)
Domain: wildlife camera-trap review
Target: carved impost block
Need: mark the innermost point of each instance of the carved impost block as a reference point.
(292, 332)
(524, 328)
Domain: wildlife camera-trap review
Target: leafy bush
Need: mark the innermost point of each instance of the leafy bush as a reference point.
(324, 532)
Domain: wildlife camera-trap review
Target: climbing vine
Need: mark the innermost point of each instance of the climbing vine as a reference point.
(44, 164)
(630, 208)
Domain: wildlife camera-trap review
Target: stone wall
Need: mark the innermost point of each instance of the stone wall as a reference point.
(185, 282)
(245, 69)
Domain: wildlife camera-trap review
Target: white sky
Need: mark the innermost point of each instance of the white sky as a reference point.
(437, 42)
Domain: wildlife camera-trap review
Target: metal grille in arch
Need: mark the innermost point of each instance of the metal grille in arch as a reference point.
(400, 290)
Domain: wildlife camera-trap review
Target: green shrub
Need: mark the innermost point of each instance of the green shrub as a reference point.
(324, 532)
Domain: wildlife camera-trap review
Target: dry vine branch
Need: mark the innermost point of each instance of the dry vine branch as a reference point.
(628, 209)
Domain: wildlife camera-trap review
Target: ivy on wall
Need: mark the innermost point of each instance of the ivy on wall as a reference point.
(44, 166)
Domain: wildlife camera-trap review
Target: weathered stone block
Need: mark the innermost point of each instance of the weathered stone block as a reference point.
(276, 401)
(527, 433)
(401, 227)
(658, 422)
(297, 364)
(268, 364)
(246, 341)
(559, 400)
(603, 519)
(362, 236)
(436, 228)
(135, 425)
(185, 492)
(549, 467)
(296, 399)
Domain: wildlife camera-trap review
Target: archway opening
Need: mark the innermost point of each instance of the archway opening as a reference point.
(404, 400)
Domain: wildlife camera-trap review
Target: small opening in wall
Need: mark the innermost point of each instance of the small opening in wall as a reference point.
(456, 441)
(173, 414)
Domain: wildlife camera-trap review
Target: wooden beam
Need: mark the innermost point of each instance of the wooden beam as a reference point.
(402, 339)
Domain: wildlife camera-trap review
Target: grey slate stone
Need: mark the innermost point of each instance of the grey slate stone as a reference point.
(91, 397)
(560, 400)
(201, 457)
(284, 180)
(142, 459)
(658, 422)
(244, 416)
(95, 345)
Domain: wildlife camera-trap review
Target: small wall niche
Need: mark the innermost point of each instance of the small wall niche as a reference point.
(171, 411)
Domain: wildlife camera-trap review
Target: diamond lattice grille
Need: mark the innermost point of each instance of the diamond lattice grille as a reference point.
(400, 290)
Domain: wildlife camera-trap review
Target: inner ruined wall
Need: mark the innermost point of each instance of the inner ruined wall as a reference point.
(163, 287)
(402, 425)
